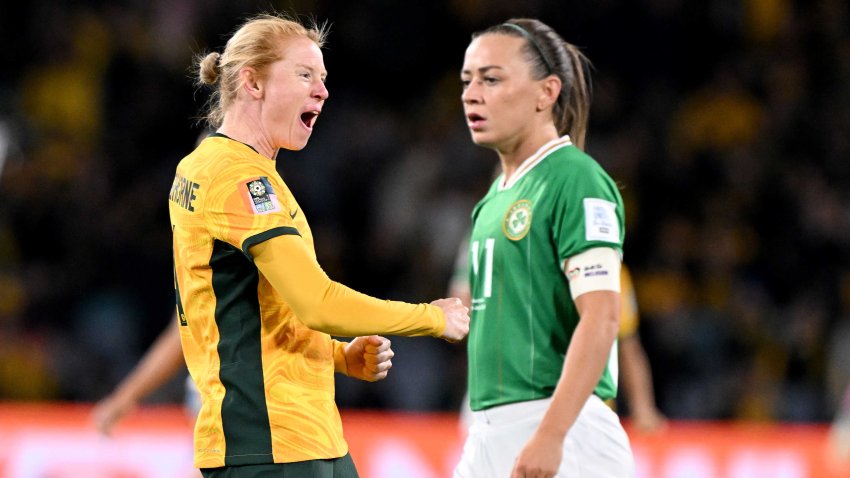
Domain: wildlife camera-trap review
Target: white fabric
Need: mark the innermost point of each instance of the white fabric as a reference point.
(592, 270)
(596, 445)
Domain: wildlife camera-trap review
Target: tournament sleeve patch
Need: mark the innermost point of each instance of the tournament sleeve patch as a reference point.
(260, 196)
(600, 221)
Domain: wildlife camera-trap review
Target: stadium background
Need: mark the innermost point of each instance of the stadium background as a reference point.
(725, 121)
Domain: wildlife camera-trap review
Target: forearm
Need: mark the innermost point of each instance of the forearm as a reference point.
(330, 307)
(584, 364)
(635, 377)
(161, 363)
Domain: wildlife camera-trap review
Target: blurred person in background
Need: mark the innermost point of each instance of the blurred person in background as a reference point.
(255, 309)
(839, 431)
(635, 372)
(162, 362)
(545, 253)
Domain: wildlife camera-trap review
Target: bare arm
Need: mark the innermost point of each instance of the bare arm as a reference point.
(636, 378)
(839, 432)
(162, 361)
(585, 362)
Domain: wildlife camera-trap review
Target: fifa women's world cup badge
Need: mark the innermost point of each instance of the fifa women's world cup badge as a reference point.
(261, 196)
(517, 220)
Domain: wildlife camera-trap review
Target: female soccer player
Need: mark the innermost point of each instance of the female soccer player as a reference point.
(545, 254)
(255, 308)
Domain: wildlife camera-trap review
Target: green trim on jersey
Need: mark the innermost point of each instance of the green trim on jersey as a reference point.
(244, 414)
(221, 135)
(523, 316)
(265, 236)
(342, 467)
(180, 314)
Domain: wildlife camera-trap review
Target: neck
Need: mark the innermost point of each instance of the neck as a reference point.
(514, 153)
(246, 128)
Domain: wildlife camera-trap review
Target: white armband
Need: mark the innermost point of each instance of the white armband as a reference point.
(592, 270)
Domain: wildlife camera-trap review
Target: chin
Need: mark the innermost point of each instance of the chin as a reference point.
(296, 144)
(482, 139)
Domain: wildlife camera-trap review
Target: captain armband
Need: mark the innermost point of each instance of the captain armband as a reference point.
(592, 270)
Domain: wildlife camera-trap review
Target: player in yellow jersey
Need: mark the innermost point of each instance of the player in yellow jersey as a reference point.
(254, 307)
(635, 372)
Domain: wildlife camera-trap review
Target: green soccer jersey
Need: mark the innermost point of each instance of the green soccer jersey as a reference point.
(558, 203)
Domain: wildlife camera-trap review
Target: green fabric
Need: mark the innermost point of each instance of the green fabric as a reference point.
(342, 467)
(523, 315)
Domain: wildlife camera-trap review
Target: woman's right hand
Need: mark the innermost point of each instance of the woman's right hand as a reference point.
(457, 318)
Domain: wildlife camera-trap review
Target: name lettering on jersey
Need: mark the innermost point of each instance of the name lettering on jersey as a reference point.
(600, 221)
(517, 220)
(260, 196)
(183, 192)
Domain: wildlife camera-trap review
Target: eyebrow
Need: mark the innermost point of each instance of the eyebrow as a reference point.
(483, 69)
(323, 72)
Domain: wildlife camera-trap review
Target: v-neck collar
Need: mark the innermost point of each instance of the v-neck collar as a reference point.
(534, 160)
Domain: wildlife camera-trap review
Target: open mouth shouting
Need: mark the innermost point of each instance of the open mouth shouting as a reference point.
(309, 118)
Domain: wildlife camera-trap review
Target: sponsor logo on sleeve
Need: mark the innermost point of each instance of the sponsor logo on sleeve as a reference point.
(600, 221)
(594, 270)
(261, 196)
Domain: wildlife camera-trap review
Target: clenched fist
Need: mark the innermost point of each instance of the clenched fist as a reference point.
(457, 318)
(368, 358)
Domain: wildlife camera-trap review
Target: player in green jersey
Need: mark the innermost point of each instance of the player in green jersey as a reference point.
(545, 255)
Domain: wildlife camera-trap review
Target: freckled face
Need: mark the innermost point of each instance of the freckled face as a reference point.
(498, 91)
(294, 95)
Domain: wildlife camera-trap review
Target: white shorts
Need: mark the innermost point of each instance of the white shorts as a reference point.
(596, 445)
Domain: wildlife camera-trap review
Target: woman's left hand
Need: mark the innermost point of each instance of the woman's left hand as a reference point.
(369, 358)
(540, 458)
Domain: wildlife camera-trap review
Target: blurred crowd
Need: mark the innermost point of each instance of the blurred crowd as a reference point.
(726, 123)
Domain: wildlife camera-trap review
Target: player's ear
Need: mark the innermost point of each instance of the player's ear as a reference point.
(550, 89)
(250, 82)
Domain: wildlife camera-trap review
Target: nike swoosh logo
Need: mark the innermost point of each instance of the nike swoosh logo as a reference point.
(293, 214)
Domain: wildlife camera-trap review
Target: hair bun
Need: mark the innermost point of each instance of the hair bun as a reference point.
(210, 69)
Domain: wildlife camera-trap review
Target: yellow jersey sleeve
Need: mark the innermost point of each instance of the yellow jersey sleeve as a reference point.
(327, 306)
(628, 305)
(340, 365)
(247, 205)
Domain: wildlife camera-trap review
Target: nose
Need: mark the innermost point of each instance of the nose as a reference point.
(471, 94)
(320, 92)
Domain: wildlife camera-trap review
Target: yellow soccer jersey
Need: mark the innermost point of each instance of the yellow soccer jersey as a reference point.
(628, 305)
(266, 380)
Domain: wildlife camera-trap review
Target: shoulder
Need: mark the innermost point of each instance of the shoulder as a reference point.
(571, 169)
(571, 162)
(210, 157)
(223, 160)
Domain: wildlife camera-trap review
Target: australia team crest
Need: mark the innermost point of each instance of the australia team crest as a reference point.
(517, 220)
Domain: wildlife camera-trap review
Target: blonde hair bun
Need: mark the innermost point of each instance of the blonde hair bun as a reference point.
(209, 70)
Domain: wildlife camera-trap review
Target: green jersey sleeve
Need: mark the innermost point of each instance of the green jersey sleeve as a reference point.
(588, 209)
